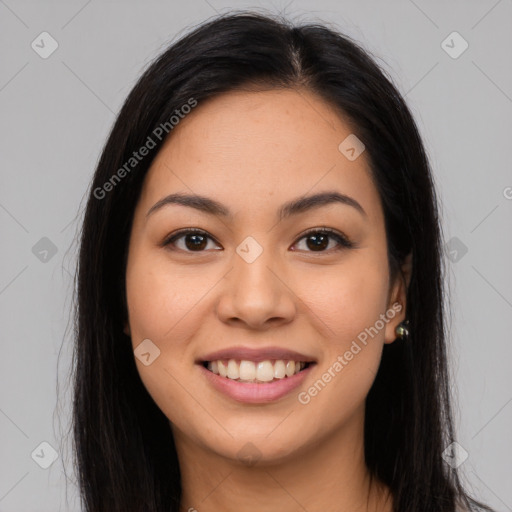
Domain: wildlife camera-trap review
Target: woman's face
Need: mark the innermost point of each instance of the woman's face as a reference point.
(255, 284)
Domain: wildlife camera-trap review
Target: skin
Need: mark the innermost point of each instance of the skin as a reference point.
(254, 151)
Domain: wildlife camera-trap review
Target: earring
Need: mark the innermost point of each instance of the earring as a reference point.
(402, 329)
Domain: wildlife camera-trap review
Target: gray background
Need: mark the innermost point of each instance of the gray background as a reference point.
(56, 113)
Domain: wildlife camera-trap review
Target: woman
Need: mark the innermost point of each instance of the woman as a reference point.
(260, 306)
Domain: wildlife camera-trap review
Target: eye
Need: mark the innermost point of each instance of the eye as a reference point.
(318, 239)
(195, 240)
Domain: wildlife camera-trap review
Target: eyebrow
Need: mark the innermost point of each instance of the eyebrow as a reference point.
(294, 207)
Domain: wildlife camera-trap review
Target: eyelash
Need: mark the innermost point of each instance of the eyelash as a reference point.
(343, 241)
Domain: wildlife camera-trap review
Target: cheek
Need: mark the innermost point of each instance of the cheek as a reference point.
(160, 298)
(347, 299)
(163, 307)
(348, 303)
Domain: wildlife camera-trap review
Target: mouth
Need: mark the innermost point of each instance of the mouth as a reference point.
(262, 372)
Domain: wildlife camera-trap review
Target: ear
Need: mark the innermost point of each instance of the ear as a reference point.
(398, 298)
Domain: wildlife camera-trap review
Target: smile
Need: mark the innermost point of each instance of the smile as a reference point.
(255, 382)
(255, 371)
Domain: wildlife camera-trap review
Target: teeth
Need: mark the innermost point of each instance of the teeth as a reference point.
(265, 371)
(223, 371)
(250, 371)
(279, 369)
(233, 370)
(247, 370)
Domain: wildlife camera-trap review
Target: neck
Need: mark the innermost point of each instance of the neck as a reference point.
(330, 475)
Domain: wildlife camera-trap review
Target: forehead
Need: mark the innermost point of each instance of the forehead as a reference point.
(243, 148)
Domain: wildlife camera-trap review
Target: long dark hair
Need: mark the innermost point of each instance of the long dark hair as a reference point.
(124, 450)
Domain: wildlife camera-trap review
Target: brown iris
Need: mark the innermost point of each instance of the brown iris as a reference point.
(320, 241)
(197, 241)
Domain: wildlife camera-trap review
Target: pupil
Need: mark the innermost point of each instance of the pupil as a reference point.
(198, 241)
(320, 241)
(314, 242)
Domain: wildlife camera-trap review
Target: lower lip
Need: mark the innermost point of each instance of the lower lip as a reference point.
(254, 392)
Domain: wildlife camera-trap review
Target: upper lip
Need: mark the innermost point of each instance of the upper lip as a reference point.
(256, 354)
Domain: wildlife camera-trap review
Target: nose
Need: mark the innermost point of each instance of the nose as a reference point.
(257, 294)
